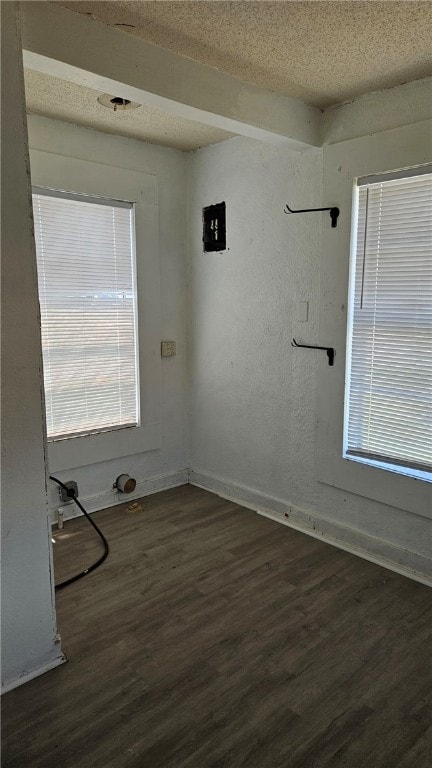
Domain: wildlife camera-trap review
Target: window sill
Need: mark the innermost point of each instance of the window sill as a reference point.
(373, 482)
(104, 446)
(418, 474)
(92, 433)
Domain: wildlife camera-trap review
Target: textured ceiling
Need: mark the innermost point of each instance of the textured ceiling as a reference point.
(321, 52)
(53, 97)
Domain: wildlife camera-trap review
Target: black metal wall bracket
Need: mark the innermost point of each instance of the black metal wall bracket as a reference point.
(334, 212)
(330, 350)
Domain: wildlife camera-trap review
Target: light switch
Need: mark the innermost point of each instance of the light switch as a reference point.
(302, 311)
(168, 348)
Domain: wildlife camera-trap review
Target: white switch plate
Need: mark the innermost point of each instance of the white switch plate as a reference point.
(302, 311)
(168, 348)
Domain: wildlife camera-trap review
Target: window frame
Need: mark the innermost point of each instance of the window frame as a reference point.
(85, 177)
(64, 194)
(384, 464)
(344, 162)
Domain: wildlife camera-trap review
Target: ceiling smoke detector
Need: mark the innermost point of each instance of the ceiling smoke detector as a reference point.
(116, 103)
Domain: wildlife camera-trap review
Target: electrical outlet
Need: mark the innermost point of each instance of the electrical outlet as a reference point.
(72, 485)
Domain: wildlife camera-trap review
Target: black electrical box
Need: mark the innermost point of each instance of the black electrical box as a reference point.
(214, 227)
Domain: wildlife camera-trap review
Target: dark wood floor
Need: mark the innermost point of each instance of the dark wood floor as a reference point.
(215, 638)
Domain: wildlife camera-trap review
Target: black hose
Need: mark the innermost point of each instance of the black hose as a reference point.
(103, 557)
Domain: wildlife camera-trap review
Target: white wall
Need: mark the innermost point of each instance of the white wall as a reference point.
(255, 402)
(28, 614)
(251, 423)
(166, 466)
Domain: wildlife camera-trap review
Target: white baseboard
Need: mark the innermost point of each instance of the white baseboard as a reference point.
(34, 673)
(112, 497)
(383, 553)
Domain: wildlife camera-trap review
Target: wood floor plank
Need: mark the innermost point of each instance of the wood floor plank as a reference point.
(214, 638)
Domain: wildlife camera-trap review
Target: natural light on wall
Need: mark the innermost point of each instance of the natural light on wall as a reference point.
(388, 418)
(86, 273)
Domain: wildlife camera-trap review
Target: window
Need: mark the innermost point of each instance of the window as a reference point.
(388, 419)
(86, 274)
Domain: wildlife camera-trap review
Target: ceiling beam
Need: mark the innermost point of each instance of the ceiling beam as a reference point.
(70, 45)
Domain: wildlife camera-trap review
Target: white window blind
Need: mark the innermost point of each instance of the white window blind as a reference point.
(389, 376)
(86, 274)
